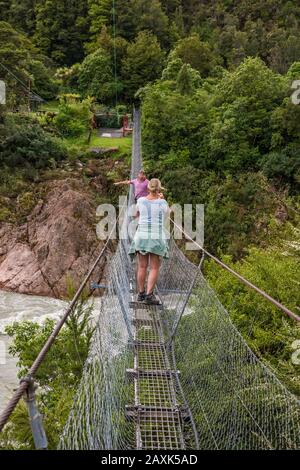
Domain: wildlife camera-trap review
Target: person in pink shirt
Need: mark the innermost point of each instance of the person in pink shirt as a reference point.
(140, 185)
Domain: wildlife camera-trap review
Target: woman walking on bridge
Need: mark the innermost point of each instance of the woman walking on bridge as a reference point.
(140, 185)
(150, 242)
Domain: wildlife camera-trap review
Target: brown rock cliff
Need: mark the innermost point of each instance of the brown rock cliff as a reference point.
(57, 242)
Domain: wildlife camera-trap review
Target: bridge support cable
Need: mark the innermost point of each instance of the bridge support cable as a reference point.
(245, 281)
(24, 384)
(36, 420)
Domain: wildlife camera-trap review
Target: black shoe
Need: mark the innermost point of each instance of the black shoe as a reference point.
(150, 299)
(141, 297)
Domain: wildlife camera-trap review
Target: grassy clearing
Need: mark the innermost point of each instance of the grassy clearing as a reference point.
(80, 142)
(50, 106)
(123, 144)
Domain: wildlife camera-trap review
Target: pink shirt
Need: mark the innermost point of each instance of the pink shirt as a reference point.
(140, 188)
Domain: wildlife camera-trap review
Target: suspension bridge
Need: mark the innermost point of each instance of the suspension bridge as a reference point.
(175, 376)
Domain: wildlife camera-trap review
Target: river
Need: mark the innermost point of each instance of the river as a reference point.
(16, 308)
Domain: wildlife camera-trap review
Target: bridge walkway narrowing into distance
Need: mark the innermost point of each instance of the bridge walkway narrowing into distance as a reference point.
(157, 412)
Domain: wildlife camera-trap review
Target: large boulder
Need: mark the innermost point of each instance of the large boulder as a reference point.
(57, 243)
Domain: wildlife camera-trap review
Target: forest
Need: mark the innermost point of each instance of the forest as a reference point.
(214, 81)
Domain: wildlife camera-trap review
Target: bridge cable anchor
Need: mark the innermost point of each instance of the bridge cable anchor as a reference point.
(35, 418)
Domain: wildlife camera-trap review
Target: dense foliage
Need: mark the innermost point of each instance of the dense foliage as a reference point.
(96, 77)
(236, 29)
(58, 377)
(26, 145)
(233, 136)
(204, 34)
(268, 333)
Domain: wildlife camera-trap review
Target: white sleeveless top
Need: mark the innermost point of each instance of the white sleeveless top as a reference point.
(152, 212)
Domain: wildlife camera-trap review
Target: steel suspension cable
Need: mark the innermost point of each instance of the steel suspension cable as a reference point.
(115, 51)
(21, 82)
(240, 277)
(5, 415)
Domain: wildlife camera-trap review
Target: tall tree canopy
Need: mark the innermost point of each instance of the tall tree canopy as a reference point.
(61, 30)
(230, 30)
(96, 77)
(143, 64)
(22, 67)
(23, 15)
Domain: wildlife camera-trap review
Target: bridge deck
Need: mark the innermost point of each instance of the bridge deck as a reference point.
(157, 413)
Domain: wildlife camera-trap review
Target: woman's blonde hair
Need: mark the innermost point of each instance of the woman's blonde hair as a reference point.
(155, 186)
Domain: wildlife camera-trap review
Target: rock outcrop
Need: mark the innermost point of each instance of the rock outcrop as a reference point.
(58, 242)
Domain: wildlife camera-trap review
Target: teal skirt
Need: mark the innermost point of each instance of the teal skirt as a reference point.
(150, 240)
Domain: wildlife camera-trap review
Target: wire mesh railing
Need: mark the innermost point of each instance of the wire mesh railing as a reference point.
(224, 396)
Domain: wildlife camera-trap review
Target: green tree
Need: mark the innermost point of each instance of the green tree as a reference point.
(187, 80)
(149, 16)
(238, 210)
(135, 16)
(241, 120)
(5, 10)
(23, 67)
(126, 20)
(231, 45)
(171, 6)
(284, 51)
(173, 122)
(61, 31)
(116, 48)
(177, 25)
(74, 118)
(196, 53)
(268, 332)
(96, 77)
(190, 12)
(100, 13)
(174, 65)
(14, 59)
(143, 64)
(58, 376)
(283, 166)
(27, 146)
(22, 15)
(294, 71)
(68, 78)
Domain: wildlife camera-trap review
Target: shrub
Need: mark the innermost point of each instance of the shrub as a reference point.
(283, 165)
(267, 330)
(5, 214)
(58, 376)
(29, 146)
(74, 118)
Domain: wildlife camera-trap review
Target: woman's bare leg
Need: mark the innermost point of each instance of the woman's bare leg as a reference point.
(143, 261)
(154, 272)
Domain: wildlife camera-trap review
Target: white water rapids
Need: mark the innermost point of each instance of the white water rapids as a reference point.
(17, 308)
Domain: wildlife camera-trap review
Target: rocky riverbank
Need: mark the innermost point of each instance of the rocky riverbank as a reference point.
(58, 242)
